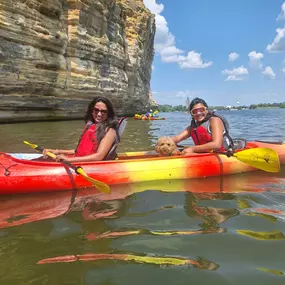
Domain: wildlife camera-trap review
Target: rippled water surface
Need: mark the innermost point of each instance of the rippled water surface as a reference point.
(223, 230)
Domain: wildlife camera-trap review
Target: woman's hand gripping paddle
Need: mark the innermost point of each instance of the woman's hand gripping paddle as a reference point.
(101, 186)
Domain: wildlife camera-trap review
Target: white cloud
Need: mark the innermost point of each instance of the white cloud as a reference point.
(283, 70)
(269, 73)
(172, 58)
(233, 56)
(184, 94)
(153, 7)
(282, 13)
(171, 54)
(278, 44)
(193, 60)
(255, 59)
(170, 50)
(165, 44)
(235, 74)
(175, 97)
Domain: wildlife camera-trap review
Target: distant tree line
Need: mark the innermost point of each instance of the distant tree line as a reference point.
(181, 108)
(228, 108)
(267, 105)
(169, 108)
(253, 106)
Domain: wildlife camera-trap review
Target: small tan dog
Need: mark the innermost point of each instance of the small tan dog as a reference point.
(165, 146)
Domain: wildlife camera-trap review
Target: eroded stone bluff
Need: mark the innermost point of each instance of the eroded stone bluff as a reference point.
(56, 55)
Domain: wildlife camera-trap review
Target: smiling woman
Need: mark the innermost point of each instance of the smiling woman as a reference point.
(99, 137)
(209, 131)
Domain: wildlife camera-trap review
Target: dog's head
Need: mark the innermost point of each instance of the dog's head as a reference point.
(165, 146)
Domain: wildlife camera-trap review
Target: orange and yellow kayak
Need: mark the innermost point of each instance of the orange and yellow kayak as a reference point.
(149, 119)
(24, 173)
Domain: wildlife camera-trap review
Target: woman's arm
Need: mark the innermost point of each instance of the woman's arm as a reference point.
(217, 129)
(60, 151)
(103, 149)
(182, 136)
(66, 151)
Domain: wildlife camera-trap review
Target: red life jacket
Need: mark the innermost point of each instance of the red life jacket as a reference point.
(88, 142)
(202, 134)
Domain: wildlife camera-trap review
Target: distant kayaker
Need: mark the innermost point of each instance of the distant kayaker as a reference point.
(209, 131)
(99, 136)
(148, 115)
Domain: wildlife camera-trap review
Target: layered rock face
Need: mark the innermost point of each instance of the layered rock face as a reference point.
(56, 55)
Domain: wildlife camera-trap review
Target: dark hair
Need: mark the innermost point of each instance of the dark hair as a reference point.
(196, 101)
(110, 122)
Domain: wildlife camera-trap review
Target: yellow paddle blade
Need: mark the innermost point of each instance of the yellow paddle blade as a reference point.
(34, 146)
(266, 159)
(101, 186)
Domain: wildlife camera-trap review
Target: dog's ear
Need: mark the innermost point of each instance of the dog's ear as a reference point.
(157, 148)
(158, 143)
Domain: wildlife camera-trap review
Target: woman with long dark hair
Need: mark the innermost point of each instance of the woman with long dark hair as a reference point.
(99, 135)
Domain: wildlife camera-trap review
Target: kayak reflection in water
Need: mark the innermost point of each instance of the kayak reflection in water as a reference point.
(99, 137)
(209, 131)
(211, 217)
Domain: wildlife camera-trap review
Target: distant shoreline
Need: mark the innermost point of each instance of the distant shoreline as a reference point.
(183, 108)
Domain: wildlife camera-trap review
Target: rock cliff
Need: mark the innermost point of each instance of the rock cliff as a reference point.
(56, 55)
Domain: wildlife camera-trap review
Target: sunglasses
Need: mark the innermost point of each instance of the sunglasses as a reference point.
(103, 112)
(198, 110)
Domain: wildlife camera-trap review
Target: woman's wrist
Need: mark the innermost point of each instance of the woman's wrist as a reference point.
(194, 149)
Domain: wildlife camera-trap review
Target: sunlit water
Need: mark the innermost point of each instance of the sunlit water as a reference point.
(226, 230)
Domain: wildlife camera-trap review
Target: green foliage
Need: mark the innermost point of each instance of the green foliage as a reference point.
(169, 108)
(267, 105)
(228, 108)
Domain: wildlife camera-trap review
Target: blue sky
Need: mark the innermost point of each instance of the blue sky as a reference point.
(226, 52)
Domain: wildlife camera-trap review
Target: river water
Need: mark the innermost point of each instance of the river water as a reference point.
(228, 230)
